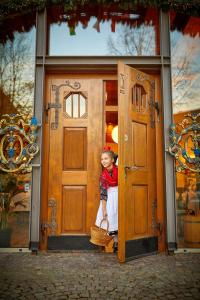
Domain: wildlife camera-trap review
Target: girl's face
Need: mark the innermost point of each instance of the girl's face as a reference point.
(106, 160)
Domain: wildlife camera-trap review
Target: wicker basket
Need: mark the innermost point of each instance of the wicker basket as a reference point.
(99, 236)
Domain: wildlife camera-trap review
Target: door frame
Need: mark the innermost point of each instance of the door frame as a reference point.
(159, 154)
(160, 63)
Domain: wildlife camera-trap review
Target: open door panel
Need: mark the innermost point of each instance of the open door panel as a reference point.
(137, 163)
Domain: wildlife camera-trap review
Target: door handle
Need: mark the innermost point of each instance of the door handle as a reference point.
(130, 168)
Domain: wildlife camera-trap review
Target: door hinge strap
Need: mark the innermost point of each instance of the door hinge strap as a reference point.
(52, 225)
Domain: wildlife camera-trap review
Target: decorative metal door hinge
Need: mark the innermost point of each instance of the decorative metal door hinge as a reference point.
(43, 227)
(52, 105)
(52, 225)
(56, 106)
(154, 106)
(122, 83)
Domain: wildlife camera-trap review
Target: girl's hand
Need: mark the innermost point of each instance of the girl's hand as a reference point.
(105, 215)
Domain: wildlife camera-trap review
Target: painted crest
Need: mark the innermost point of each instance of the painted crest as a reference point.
(17, 143)
(185, 143)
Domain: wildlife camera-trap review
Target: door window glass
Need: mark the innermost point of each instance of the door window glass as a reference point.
(75, 106)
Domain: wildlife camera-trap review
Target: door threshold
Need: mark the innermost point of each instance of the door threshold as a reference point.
(14, 250)
(187, 250)
(93, 251)
(74, 234)
(70, 242)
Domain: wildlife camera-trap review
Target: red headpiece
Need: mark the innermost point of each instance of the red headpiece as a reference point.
(106, 148)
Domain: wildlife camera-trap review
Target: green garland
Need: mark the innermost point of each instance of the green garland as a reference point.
(11, 8)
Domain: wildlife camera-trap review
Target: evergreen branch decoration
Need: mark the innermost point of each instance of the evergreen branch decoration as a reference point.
(20, 7)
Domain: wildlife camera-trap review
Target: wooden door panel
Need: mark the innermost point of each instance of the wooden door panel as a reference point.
(75, 149)
(137, 212)
(137, 177)
(75, 145)
(139, 139)
(140, 198)
(73, 209)
(137, 187)
(74, 178)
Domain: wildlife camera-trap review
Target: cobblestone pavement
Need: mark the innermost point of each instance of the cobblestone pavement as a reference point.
(98, 276)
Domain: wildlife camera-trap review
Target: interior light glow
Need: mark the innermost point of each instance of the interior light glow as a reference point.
(115, 134)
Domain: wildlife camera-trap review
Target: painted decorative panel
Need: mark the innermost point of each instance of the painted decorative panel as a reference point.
(17, 143)
(139, 148)
(75, 149)
(73, 209)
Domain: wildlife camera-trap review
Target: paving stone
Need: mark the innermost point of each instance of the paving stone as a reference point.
(87, 275)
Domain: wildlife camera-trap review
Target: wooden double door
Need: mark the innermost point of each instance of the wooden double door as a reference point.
(74, 135)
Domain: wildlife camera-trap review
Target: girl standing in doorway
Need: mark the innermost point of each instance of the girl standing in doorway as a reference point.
(108, 208)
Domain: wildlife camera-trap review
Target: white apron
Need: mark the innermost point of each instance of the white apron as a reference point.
(112, 210)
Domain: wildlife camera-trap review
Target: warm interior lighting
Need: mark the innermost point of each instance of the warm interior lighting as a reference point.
(115, 134)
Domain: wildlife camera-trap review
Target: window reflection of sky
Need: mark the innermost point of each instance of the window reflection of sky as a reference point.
(185, 51)
(17, 70)
(91, 42)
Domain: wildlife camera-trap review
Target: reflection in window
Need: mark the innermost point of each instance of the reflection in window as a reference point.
(185, 50)
(15, 194)
(17, 64)
(17, 60)
(102, 30)
(75, 106)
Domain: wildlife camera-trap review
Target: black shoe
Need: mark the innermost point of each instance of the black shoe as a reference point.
(113, 232)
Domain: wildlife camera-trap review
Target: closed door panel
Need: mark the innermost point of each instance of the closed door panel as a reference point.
(75, 142)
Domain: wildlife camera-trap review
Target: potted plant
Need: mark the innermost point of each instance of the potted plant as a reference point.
(9, 187)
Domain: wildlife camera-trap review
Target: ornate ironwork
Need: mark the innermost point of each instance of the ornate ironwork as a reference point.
(142, 77)
(76, 85)
(152, 104)
(185, 143)
(122, 83)
(17, 143)
(52, 224)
